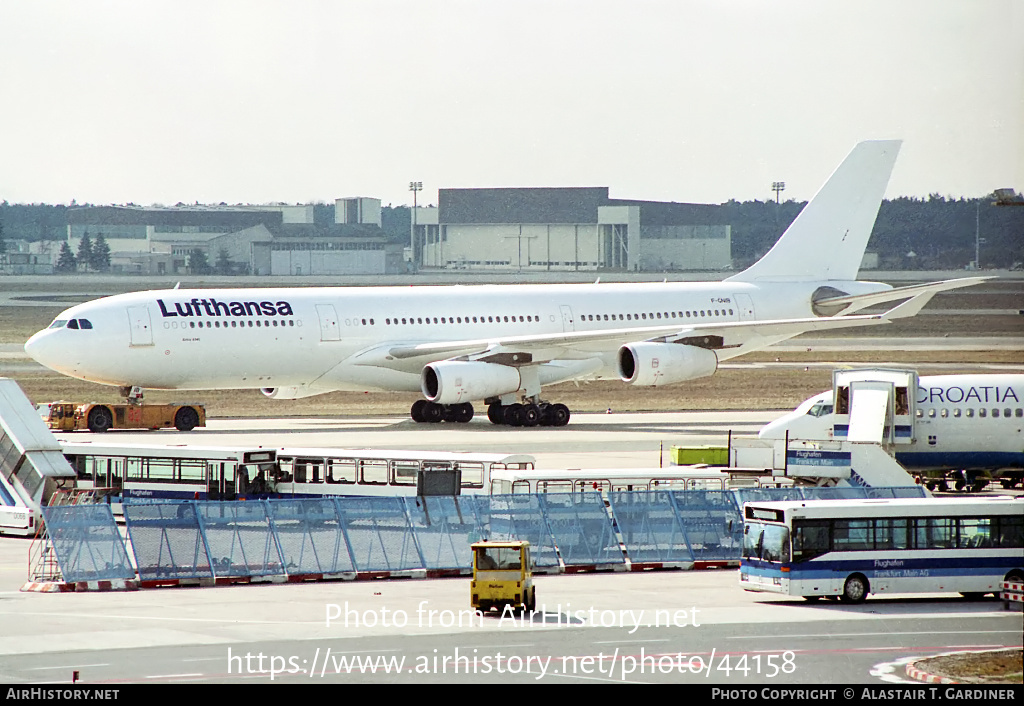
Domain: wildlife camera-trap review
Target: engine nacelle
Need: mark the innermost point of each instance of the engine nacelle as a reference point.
(457, 381)
(294, 392)
(664, 363)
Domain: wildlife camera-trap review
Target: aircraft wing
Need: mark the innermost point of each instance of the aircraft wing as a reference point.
(411, 356)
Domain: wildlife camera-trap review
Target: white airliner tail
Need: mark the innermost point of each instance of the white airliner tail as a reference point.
(827, 240)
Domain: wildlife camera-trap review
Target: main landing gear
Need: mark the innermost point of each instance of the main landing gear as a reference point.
(528, 414)
(432, 412)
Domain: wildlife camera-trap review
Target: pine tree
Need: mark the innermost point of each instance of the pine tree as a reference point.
(197, 262)
(84, 255)
(100, 256)
(66, 259)
(223, 262)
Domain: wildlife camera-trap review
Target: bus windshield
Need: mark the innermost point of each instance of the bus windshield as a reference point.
(766, 542)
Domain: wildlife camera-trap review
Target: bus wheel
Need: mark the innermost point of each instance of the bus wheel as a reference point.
(856, 589)
(186, 419)
(100, 419)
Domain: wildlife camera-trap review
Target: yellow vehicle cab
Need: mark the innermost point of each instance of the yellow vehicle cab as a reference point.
(503, 576)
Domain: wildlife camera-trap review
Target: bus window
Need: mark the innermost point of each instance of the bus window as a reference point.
(934, 533)
(810, 539)
(975, 533)
(853, 535)
(582, 486)
(341, 470)
(892, 533)
(161, 469)
(521, 486)
(765, 542)
(134, 469)
(374, 472)
(472, 474)
(554, 486)
(501, 487)
(404, 472)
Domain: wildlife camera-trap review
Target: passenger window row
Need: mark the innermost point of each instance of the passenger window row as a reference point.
(702, 313)
(458, 320)
(969, 412)
(249, 323)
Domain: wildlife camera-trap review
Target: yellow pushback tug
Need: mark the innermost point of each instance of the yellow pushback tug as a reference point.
(503, 576)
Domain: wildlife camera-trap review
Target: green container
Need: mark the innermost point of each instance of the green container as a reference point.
(690, 455)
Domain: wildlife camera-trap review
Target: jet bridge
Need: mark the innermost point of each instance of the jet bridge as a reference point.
(32, 464)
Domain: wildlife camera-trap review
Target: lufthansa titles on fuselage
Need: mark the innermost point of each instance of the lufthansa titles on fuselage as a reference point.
(212, 307)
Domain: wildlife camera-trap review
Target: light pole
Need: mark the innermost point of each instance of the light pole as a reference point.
(415, 187)
(778, 187)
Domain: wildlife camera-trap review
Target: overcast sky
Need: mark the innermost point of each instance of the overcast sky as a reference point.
(677, 100)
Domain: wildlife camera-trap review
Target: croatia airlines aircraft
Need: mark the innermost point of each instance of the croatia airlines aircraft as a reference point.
(498, 344)
(961, 422)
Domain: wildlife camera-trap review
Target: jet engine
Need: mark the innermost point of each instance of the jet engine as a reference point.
(294, 392)
(457, 381)
(651, 364)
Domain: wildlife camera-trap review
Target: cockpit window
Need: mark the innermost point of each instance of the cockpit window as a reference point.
(820, 409)
(84, 323)
(59, 323)
(73, 323)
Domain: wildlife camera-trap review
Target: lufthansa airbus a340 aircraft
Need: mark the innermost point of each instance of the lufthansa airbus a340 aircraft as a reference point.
(499, 344)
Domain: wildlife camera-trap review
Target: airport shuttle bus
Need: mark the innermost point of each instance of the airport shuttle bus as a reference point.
(848, 549)
(169, 472)
(576, 480)
(319, 472)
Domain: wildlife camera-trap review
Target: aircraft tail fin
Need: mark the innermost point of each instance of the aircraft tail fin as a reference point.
(828, 238)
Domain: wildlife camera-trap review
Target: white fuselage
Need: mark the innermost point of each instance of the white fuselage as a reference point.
(322, 339)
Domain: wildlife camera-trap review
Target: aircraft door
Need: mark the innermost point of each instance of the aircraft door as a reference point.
(746, 306)
(140, 326)
(329, 330)
(567, 320)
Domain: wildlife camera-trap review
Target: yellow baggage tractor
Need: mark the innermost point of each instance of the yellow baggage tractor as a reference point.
(503, 576)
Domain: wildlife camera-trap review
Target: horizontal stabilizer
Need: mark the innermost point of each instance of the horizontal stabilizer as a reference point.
(920, 293)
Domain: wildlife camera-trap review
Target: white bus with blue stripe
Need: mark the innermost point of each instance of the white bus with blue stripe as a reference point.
(849, 549)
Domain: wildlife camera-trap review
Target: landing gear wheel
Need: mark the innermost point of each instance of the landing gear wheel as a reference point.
(100, 419)
(462, 413)
(559, 415)
(496, 413)
(856, 589)
(433, 413)
(530, 415)
(417, 410)
(186, 419)
(514, 415)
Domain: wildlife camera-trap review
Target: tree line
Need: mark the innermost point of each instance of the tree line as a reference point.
(910, 233)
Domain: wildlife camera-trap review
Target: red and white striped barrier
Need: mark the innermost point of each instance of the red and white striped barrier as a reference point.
(1013, 595)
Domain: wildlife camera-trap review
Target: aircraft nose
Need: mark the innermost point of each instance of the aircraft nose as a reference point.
(41, 348)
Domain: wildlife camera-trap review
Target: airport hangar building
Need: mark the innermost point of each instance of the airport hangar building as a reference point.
(506, 229)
